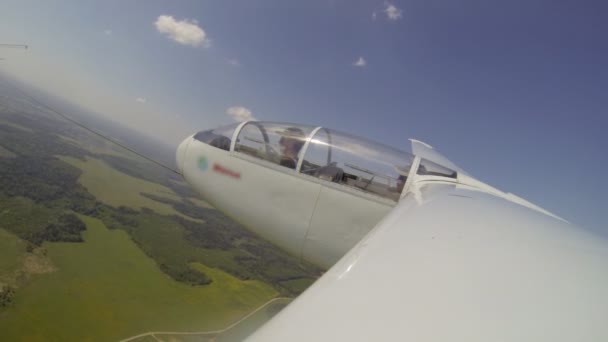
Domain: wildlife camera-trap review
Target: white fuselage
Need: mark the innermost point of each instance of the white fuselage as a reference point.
(316, 220)
(448, 259)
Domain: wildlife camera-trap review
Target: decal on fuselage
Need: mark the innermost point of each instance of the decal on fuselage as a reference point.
(202, 164)
(225, 171)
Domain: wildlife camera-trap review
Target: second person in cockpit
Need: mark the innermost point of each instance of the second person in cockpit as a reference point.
(291, 142)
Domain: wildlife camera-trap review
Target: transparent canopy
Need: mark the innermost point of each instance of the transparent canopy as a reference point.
(356, 162)
(325, 154)
(278, 143)
(429, 168)
(220, 137)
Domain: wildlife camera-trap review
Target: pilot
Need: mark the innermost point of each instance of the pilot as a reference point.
(291, 142)
(400, 183)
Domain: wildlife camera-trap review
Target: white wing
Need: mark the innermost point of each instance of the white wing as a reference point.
(457, 264)
(454, 260)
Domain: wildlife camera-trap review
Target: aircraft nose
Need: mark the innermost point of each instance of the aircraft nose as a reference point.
(180, 154)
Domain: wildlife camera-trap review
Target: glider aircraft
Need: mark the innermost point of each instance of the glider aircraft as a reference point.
(416, 249)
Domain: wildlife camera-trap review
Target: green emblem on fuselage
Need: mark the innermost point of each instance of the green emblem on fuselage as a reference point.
(202, 163)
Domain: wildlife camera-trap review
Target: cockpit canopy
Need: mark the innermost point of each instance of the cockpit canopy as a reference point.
(324, 154)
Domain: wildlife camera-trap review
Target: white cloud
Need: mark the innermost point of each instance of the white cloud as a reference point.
(374, 15)
(140, 100)
(392, 12)
(240, 114)
(107, 32)
(361, 62)
(234, 62)
(186, 32)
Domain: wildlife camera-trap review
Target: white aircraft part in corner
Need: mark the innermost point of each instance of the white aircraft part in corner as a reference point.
(416, 249)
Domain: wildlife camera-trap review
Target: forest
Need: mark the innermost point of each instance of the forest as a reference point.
(40, 197)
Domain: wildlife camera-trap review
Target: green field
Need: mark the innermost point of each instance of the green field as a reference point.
(107, 289)
(168, 262)
(200, 203)
(298, 285)
(12, 250)
(6, 153)
(119, 189)
(14, 125)
(98, 147)
(236, 332)
(246, 327)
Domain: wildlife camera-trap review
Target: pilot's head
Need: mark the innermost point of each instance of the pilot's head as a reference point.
(292, 140)
(401, 183)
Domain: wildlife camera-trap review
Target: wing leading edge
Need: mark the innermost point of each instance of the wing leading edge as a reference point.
(454, 263)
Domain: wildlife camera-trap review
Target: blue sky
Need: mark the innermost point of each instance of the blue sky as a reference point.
(512, 91)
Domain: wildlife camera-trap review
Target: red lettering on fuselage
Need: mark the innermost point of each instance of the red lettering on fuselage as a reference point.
(220, 169)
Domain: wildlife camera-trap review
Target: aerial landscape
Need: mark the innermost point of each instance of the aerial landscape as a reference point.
(97, 244)
(320, 170)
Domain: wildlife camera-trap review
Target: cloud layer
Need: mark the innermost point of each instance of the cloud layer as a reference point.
(240, 114)
(140, 100)
(186, 32)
